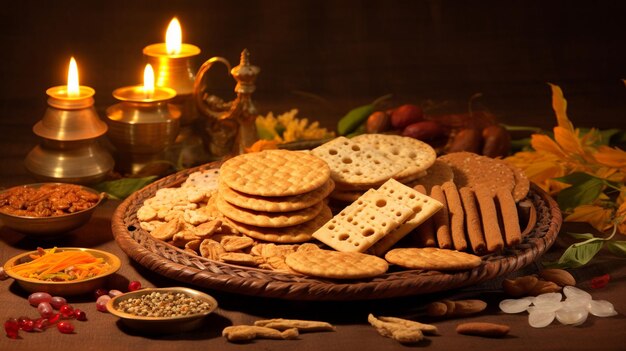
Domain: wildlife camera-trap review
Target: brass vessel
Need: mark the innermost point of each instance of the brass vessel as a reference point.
(142, 128)
(70, 151)
(229, 126)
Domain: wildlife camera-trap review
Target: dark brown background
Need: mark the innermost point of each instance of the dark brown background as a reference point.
(344, 52)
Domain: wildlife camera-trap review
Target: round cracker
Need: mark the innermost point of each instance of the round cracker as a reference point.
(267, 219)
(416, 155)
(293, 234)
(336, 265)
(522, 184)
(432, 258)
(438, 174)
(276, 203)
(275, 173)
(476, 171)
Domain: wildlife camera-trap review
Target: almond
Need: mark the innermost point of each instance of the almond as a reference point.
(544, 287)
(519, 287)
(559, 276)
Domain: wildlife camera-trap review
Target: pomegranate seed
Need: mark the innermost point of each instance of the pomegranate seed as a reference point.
(65, 327)
(54, 318)
(57, 302)
(114, 293)
(41, 324)
(45, 309)
(12, 328)
(101, 304)
(67, 311)
(36, 298)
(134, 286)
(28, 326)
(100, 292)
(80, 315)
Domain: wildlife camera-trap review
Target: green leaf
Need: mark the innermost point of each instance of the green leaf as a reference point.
(580, 193)
(263, 133)
(354, 118)
(578, 254)
(617, 247)
(581, 235)
(122, 188)
(575, 178)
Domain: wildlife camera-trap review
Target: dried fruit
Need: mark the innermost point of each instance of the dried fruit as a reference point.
(600, 282)
(558, 276)
(519, 287)
(378, 122)
(544, 287)
(496, 141)
(483, 329)
(405, 115)
(468, 139)
(455, 308)
(425, 131)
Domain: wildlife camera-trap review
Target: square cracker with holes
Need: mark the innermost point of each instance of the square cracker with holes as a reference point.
(423, 208)
(364, 222)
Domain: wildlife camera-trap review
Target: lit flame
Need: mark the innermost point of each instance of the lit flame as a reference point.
(173, 37)
(73, 90)
(148, 81)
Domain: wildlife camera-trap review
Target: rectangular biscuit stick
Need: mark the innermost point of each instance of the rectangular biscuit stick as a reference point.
(441, 219)
(510, 219)
(489, 216)
(472, 219)
(457, 220)
(424, 234)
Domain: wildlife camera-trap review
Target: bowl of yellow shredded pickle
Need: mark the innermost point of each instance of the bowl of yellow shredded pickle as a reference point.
(62, 271)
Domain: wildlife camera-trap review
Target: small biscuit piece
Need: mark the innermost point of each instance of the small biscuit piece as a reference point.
(237, 333)
(510, 219)
(492, 330)
(267, 219)
(166, 231)
(232, 243)
(275, 173)
(211, 249)
(401, 330)
(146, 213)
(207, 229)
(441, 219)
(430, 258)
(240, 258)
(423, 208)
(301, 325)
(206, 180)
(457, 220)
(357, 227)
(472, 218)
(489, 216)
(336, 265)
(356, 165)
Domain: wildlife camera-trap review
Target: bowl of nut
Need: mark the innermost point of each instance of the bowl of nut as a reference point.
(46, 209)
(162, 310)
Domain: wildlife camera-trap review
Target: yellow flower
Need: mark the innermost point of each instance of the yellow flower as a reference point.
(620, 216)
(611, 157)
(262, 144)
(541, 168)
(598, 216)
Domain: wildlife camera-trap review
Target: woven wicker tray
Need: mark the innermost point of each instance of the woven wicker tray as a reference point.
(174, 263)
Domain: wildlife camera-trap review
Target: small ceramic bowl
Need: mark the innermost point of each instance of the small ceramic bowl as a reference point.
(54, 225)
(161, 324)
(69, 288)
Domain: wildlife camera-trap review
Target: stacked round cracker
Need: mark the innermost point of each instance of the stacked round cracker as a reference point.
(368, 160)
(275, 195)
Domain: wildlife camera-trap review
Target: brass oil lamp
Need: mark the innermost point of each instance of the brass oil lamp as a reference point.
(70, 128)
(172, 61)
(143, 124)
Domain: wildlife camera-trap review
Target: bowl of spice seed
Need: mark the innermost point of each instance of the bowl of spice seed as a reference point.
(162, 310)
